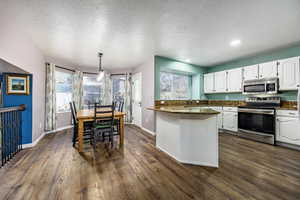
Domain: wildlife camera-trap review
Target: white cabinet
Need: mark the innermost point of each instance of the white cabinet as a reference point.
(220, 116)
(220, 82)
(251, 72)
(268, 69)
(209, 80)
(288, 72)
(234, 80)
(288, 130)
(230, 119)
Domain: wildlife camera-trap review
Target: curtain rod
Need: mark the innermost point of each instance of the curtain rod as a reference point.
(90, 73)
(72, 70)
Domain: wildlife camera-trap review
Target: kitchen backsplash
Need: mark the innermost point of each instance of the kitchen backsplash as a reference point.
(291, 105)
(285, 96)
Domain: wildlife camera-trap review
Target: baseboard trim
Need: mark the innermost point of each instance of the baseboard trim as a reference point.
(59, 129)
(30, 145)
(148, 131)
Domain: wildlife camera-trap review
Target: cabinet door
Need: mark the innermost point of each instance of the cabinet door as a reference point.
(230, 121)
(220, 81)
(288, 130)
(234, 80)
(220, 120)
(268, 69)
(288, 71)
(251, 72)
(220, 116)
(209, 83)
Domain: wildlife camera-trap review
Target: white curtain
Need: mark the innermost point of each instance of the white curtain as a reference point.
(298, 103)
(78, 89)
(50, 110)
(106, 96)
(127, 98)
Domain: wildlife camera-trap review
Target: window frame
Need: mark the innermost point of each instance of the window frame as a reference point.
(100, 87)
(59, 70)
(112, 85)
(190, 82)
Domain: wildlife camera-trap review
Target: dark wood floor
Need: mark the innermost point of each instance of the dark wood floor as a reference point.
(54, 170)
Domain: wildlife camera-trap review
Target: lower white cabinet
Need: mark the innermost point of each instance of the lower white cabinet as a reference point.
(288, 127)
(220, 116)
(230, 120)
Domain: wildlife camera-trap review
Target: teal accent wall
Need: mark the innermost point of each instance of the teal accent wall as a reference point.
(265, 57)
(163, 64)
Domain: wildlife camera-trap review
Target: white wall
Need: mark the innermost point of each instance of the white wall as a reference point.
(17, 49)
(7, 67)
(147, 70)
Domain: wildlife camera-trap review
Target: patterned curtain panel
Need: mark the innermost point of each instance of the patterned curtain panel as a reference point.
(78, 89)
(50, 122)
(106, 96)
(127, 99)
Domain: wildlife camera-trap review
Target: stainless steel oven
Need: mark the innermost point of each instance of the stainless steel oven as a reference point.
(256, 120)
(260, 86)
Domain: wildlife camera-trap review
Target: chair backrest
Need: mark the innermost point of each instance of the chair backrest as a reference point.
(104, 114)
(74, 107)
(92, 105)
(73, 113)
(119, 105)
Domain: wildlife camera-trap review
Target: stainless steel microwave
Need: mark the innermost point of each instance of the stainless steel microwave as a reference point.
(260, 86)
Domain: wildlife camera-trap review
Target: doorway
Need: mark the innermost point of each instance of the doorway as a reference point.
(137, 99)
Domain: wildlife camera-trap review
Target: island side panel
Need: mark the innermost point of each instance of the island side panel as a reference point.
(199, 140)
(168, 133)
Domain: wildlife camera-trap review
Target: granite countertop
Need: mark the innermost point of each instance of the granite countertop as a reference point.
(186, 110)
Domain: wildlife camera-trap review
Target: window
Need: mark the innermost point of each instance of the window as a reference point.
(175, 86)
(91, 90)
(118, 88)
(64, 89)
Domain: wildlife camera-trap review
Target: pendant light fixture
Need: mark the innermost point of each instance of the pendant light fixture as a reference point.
(101, 71)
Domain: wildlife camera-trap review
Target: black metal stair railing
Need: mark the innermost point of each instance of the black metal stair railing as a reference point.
(10, 132)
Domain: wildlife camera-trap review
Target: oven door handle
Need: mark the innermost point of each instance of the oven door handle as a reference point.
(265, 112)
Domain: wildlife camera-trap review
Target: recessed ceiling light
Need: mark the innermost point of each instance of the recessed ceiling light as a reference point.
(187, 60)
(235, 43)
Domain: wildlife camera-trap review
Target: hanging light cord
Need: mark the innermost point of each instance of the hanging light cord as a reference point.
(100, 64)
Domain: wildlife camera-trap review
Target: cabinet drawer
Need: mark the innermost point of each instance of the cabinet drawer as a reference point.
(233, 109)
(288, 113)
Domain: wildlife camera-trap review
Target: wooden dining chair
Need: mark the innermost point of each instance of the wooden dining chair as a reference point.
(87, 126)
(103, 125)
(91, 105)
(118, 107)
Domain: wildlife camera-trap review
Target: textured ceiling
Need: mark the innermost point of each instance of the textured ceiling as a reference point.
(130, 31)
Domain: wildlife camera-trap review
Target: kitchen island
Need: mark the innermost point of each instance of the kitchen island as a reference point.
(188, 134)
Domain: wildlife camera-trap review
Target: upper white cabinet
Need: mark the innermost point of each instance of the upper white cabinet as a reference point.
(251, 72)
(209, 80)
(288, 72)
(220, 82)
(268, 69)
(234, 80)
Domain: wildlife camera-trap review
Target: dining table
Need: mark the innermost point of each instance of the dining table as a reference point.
(87, 115)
